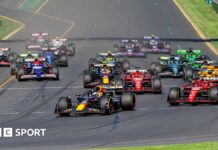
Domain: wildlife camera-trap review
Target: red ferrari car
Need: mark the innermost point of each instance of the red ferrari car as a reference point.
(198, 91)
(140, 81)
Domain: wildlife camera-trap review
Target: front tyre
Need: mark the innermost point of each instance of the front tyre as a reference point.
(128, 101)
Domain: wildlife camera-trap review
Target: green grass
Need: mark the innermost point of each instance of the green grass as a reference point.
(192, 146)
(203, 16)
(32, 5)
(7, 26)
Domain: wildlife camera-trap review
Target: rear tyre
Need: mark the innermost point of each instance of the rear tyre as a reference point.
(128, 101)
(55, 71)
(71, 47)
(11, 57)
(87, 78)
(118, 82)
(116, 48)
(188, 74)
(158, 68)
(13, 68)
(156, 84)
(213, 94)
(20, 73)
(152, 67)
(63, 60)
(125, 65)
(92, 62)
(168, 47)
(173, 95)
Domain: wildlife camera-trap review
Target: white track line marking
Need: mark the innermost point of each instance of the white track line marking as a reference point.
(37, 88)
(11, 113)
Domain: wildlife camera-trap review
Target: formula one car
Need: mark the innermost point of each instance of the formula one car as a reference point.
(169, 66)
(99, 74)
(109, 58)
(129, 48)
(6, 56)
(25, 58)
(198, 91)
(193, 58)
(38, 41)
(153, 44)
(55, 56)
(101, 100)
(140, 81)
(64, 45)
(208, 72)
(35, 69)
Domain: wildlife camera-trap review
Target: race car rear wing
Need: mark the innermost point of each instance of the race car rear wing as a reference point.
(149, 38)
(101, 65)
(4, 49)
(164, 58)
(210, 67)
(112, 87)
(38, 34)
(126, 41)
(135, 70)
(105, 54)
(25, 55)
(184, 51)
(51, 48)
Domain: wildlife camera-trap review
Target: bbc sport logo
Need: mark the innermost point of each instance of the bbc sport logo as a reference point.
(10, 132)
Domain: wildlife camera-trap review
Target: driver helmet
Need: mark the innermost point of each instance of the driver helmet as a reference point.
(29, 54)
(153, 37)
(68, 98)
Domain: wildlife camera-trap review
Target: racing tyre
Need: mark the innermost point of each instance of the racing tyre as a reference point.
(45, 65)
(118, 82)
(156, 84)
(152, 67)
(213, 94)
(11, 57)
(55, 71)
(158, 68)
(63, 60)
(106, 104)
(143, 50)
(62, 106)
(13, 68)
(125, 65)
(20, 73)
(173, 95)
(116, 47)
(71, 47)
(167, 46)
(87, 78)
(188, 73)
(128, 101)
(92, 62)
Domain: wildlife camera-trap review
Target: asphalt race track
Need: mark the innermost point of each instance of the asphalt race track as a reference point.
(31, 104)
